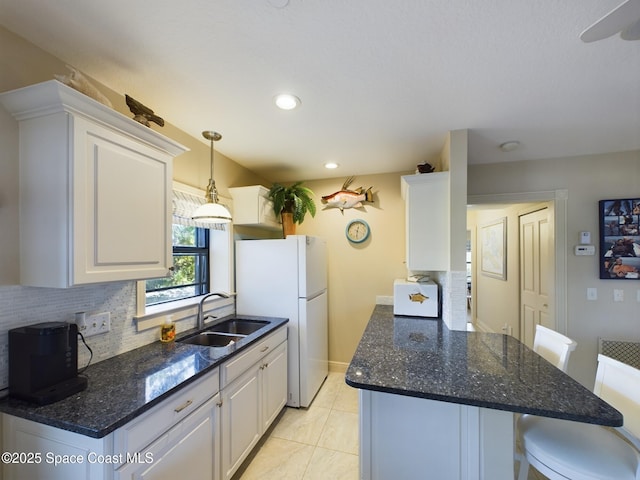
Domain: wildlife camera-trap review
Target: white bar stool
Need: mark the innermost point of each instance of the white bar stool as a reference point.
(553, 347)
(561, 449)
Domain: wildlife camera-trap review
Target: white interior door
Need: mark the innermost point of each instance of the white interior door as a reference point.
(536, 274)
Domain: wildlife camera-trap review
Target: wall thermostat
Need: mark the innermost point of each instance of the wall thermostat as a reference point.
(585, 238)
(585, 250)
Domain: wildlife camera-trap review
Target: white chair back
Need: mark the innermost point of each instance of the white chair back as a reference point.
(561, 449)
(619, 385)
(553, 346)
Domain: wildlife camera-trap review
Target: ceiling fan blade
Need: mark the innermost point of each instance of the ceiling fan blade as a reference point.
(613, 22)
(632, 32)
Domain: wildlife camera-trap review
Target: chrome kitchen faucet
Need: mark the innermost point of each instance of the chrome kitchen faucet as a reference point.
(200, 306)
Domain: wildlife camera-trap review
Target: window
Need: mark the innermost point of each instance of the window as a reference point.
(203, 259)
(190, 277)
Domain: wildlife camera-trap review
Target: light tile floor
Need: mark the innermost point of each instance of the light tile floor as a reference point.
(315, 443)
(319, 442)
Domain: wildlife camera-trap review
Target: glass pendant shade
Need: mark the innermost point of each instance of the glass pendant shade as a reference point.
(212, 211)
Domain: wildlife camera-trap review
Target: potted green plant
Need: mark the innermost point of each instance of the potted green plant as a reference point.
(292, 203)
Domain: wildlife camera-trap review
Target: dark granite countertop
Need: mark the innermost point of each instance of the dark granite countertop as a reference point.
(123, 387)
(421, 357)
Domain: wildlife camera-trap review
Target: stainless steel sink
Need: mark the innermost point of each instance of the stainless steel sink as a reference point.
(212, 339)
(238, 326)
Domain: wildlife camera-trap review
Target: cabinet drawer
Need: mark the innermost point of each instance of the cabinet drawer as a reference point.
(187, 447)
(240, 363)
(138, 433)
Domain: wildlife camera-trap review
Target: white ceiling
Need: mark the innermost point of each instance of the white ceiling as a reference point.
(381, 81)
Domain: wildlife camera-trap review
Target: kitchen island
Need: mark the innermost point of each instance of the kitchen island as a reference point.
(436, 403)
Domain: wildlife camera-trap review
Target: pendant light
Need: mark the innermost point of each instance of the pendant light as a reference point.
(212, 211)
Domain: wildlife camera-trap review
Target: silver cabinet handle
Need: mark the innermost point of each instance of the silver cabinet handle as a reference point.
(183, 406)
(264, 349)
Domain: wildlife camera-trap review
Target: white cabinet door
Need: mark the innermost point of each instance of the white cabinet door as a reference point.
(274, 385)
(252, 401)
(188, 450)
(122, 207)
(427, 221)
(241, 420)
(252, 207)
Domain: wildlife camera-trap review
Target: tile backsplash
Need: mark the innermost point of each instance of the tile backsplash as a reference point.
(28, 305)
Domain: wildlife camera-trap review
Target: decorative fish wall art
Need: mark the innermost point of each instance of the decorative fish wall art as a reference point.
(345, 198)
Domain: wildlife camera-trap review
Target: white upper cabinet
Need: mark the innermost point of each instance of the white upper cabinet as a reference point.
(95, 190)
(427, 221)
(252, 207)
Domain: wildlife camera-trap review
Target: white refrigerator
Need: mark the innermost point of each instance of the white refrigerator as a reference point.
(288, 278)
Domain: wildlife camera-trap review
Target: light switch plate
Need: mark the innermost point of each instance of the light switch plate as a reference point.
(618, 295)
(592, 293)
(585, 238)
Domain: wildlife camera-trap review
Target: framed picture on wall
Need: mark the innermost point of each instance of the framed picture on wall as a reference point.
(620, 239)
(493, 249)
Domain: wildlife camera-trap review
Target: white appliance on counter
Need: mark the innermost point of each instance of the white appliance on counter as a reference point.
(419, 299)
(288, 278)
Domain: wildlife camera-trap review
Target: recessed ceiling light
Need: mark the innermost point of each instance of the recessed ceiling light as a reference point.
(331, 165)
(286, 101)
(509, 146)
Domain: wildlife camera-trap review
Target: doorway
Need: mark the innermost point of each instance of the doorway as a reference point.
(496, 306)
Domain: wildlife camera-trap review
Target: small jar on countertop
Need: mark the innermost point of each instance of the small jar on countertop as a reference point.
(168, 330)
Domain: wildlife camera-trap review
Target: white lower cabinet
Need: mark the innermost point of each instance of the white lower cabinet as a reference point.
(180, 433)
(409, 437)
(274, 385)
(202, 432)
(191, 446)
(240, 421)
(252, 401)
(40, 451)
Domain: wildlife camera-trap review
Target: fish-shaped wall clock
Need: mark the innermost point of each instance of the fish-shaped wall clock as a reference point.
(345, 198)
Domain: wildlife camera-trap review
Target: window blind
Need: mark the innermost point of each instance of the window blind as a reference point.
(184, 204)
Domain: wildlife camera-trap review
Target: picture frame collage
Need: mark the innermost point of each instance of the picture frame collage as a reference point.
(620, 239)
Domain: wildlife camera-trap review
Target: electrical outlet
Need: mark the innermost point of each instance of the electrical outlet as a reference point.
(592, 293)
(97, 323)
(618, 295)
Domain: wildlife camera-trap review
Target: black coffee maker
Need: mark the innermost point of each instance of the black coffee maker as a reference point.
(43, 362)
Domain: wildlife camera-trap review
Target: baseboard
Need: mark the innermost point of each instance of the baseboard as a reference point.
(482, 327)
(340, 367)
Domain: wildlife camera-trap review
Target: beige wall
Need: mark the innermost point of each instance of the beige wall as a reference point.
(587, 179)
(358, 273)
